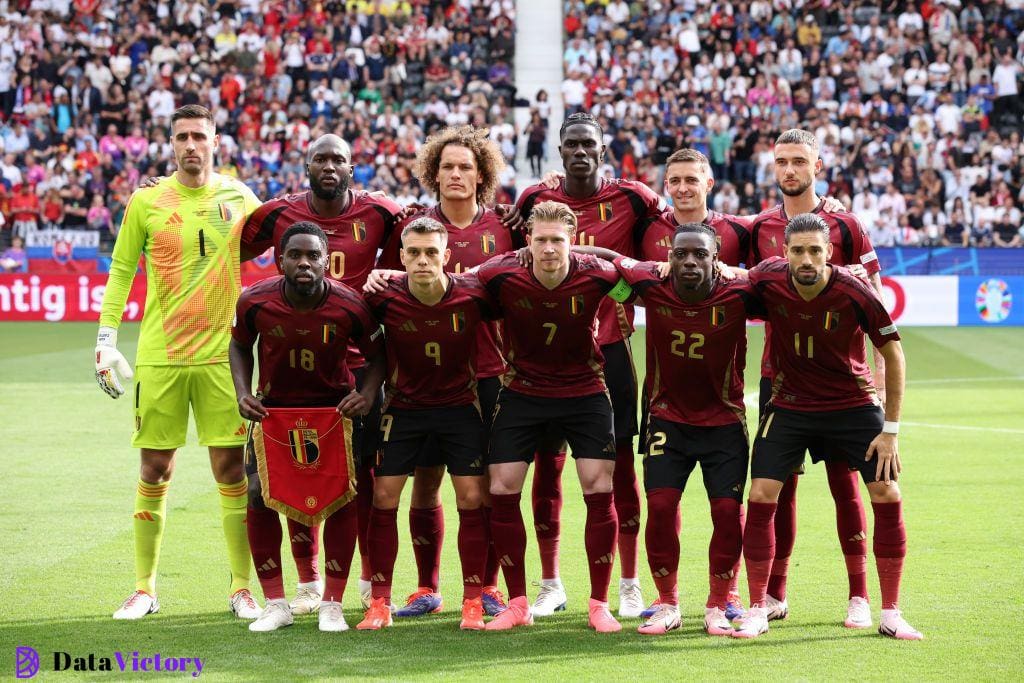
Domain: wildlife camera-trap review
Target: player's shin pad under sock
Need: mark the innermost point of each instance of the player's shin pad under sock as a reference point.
(890, 546)
(148, 522)
(233, 499)
(601, 529)
(546, 497)
(491, 566)
(382, 538)
(627, 507)
(472, 540)
(851, 524)
(662, 537)
(509, 534)
(340, 532)
(785, 537)
(263, 527)
(759, 549)
(426, 526)
(305, 550)
(724, 549)
(364, 503)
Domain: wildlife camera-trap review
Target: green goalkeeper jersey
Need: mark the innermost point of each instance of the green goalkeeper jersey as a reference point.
(190, 238)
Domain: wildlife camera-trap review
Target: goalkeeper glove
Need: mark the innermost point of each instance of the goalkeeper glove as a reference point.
(110, 363)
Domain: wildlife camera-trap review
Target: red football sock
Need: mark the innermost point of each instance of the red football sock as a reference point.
(491, 565)
(851, 524)
(305, 543)
(340, 531)
(364, 504)
(601, 529)
(426, 526)
(627, 507)
(547, 509)
(890, 546)
(662, 535)
(785, 538)
(472, 538)
(263, 527)
(759, 549)
(734, 582)
(724, 549)
(509, 534)
(383, 542)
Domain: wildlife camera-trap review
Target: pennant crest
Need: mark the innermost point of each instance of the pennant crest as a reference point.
(304, 445)
(330, 333)
(717, 315)
(359, 231)
(487, 243)
(831, 320)
(604, 211)
(576, 304)
(458, 321)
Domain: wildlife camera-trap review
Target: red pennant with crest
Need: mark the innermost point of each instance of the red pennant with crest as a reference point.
(304, 458)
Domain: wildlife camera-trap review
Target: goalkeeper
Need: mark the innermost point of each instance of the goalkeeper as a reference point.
(188, 227)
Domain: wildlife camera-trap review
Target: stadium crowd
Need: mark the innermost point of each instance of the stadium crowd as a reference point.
(87, 89)
(917, 106)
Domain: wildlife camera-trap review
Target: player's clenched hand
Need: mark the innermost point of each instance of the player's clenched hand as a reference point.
(110, 363)
(251, 408)
(724, 271)
(377, 280)
(354, 404)
(885, 447)
(409, 211)
(552, 180)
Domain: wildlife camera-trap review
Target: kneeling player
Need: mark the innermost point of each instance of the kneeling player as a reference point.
(696, 329)
(431, 320)
(823, 394)
(303, 325)
(556, 381)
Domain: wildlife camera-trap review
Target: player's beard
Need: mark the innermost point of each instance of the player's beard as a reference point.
(329, 194)
(806, 278)
(797, 191)
(304, 289)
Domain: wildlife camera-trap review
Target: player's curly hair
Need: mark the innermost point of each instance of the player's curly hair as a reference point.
(489, 160)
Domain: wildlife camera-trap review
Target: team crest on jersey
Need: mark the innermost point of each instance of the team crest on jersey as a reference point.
(831, 320)
(225, 212)
(458, 321)
(576, 304)
(330, 333)
(717, 315)
(304, 444)
(359, 231)
(487, 243)
(604, 211)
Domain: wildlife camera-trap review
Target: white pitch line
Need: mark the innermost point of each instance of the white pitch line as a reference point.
(962, 428)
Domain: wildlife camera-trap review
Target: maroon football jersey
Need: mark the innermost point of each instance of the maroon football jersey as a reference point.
(303, 354)
(552, 347)
(695, 352)
(732, 236)
(818, 345)
(612, 218)
(431, 350)
(850, 244)
(353, 238)
(483, 239)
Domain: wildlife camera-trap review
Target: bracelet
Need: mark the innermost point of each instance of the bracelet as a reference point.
(890, 427)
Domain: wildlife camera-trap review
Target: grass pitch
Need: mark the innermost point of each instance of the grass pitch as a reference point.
(67, 480)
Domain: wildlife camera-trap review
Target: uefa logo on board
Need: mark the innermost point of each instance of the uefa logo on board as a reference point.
(26, 662)
(993, 301)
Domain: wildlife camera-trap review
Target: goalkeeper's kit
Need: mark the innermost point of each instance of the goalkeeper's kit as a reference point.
(111, 365)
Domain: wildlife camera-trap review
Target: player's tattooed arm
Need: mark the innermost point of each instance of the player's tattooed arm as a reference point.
(358, 402)
(242, 364)
(885, 446)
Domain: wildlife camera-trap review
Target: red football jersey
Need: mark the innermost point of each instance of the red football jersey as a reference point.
(431, 350)
(850, 244)
(733, 237)
(695, 352)
(353, 238)
(612, 218)
(483, 239)
(818, 345)
(552, 346)
(303, 354)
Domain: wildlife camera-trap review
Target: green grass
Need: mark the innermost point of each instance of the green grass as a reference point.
(67, 484)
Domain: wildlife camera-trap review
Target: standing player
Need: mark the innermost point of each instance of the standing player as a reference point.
(432, 322)
(611, 213)
(188, 227)
(357, 225)
(462, 167)
(303, 325)
(823, 395)
(555, 380)
(796, 164)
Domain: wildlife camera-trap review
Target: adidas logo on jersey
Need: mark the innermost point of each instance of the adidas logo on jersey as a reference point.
(524, 303)
(408, 326)
(278, 331)
(175, 221)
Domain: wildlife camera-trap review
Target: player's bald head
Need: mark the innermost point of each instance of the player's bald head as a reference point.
(326, 142)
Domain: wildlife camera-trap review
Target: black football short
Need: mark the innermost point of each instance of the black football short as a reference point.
(456, 433)
(844, 435)
(522, 423)
(674, 449)
(764, 399)
(365, 434)
(487, 395)
(620, 376)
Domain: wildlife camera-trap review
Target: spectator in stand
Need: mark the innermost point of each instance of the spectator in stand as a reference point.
(15, 258)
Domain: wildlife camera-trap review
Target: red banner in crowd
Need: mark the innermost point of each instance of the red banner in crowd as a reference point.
(304, 456)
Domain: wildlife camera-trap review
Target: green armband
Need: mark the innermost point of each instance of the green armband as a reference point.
(621, 291)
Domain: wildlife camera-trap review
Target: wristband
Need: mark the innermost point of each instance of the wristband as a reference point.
(107, 336)
(890, 427)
